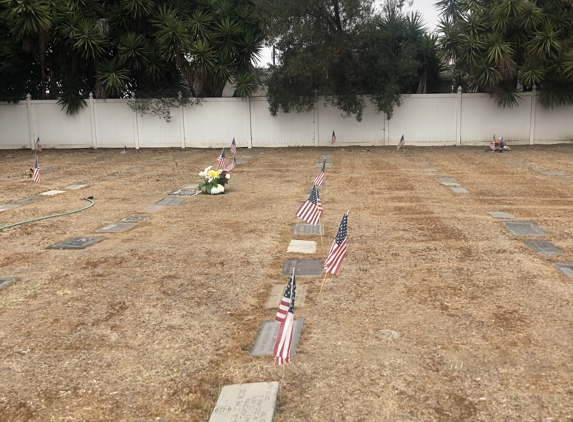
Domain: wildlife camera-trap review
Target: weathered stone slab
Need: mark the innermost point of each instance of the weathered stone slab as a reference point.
(7, 207)
(116, 228)
(450, 184)
(302, 246)
(121, 173)
(308, 229)
(519, 228)
(254, 402)
(566, 179)
(52, 192)
(429, 170)
(77, 243)
(134, 169)
(74, 187)
(278, 290)
(153, 208)
(136, 218)
(497, 214)
(538, 170)
(544, 248)
(422, 163)
(553, 173)
(7, 280)
(190, 187)
(111, 177)
(328, 165)
(566, 269)
(268, 334)
(446, 180)
(303, 267)
(460, 190)
(28, 200)
(181, 192)
(169, 201)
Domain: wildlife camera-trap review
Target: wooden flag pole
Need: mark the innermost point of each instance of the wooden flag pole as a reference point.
(322, 285)
(180, 175)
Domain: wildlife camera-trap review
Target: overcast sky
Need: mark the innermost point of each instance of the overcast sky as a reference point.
(426, 7)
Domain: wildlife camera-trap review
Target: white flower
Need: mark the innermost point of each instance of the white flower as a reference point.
(221, 188)
(204, 172)
(216, 190)
(209, 179)
(228, 176)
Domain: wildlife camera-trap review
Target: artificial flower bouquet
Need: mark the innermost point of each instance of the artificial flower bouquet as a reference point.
(214, 181)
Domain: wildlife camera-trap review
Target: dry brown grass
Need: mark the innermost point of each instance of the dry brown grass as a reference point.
(151, 323)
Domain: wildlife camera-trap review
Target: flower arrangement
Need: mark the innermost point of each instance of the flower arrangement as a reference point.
(214, 181)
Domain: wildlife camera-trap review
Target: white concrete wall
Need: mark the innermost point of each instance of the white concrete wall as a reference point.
(432, 119)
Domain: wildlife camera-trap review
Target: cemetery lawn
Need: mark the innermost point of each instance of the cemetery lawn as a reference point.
(151, 323)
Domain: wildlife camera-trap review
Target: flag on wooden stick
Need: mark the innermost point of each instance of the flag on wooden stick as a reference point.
(232, 165)
(36, 171)
(333, 139)
(311, 210)
(401, 143)
(233, 147)
(124, 150)
(285, 316)
(221, 160)
(38, 145)
(338, 250)
(319, 179)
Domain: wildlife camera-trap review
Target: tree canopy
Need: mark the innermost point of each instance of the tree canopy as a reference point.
(67, 48)
(508, 46)
(347, 52)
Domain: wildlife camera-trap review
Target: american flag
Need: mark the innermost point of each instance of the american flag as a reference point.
(38, 145)
(124, 150)
(36, 171)
(221, 160)
(338, 250)
(285, 316)
(233, 147)
(311, 210)
(320, 178)
(401, 143)
(232, 165)
(333, 140)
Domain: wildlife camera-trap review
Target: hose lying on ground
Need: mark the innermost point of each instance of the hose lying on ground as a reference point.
(89, 198)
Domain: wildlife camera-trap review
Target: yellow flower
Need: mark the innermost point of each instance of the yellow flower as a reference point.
(214, 174)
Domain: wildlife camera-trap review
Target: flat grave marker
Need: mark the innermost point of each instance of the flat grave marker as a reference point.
(566, 179)
(544, 248)
(135, 218)
(28, 200)
(111, 177)
(7, 207)
(446, 179)
(255, 402)
(460, 190)
(302, 246)
(308, 229)
(303, 267)
(193, 186)
(134, 169)
(77, 243)
(153, 208)
(74, 187)
(430, 170)
(497, 214)
(566, 269)
(116, 228)
(267, 336)
(519, 228)
(4, 281)
(52, 192)
(278, 290)
(422, 163)
(181, 192)
(450, 184)
(553, 173)
(169, 201)
(242, 160)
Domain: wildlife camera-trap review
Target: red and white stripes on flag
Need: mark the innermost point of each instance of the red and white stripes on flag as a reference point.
(401, 143)
(311, 210)
(232, 165)
(38, 145)
(36, 171)
(233, 147)
(319, 179)
(285, 316)
(338, 250)
(333, 139)
(221, 160)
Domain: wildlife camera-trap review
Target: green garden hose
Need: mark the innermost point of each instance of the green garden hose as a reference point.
(89, 198)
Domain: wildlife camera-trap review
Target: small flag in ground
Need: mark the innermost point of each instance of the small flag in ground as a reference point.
(401, 143)
(333, 140)
(311, 210)
(36, 171)
(233, 147)
(286, 330)
(221, 160)
(287, 299)
(38, 145)
(338, 250)
(124, 150)
(320, 178)
(232, 165)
